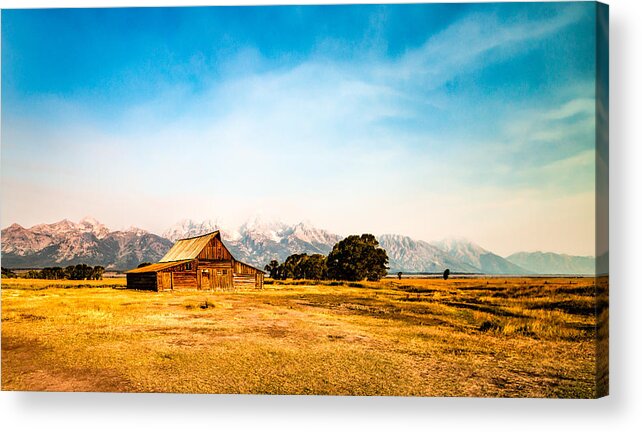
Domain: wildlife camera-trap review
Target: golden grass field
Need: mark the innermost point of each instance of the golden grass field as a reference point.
(513, 337)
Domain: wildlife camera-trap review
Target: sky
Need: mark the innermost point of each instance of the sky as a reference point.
(433, 121)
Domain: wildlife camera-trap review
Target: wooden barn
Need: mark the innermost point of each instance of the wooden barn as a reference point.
(197, 263)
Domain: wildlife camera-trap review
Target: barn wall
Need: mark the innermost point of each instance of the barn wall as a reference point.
(142, 281)
(243, 268)
(164, 281)
(185, 280)
(215, 275)
(215, 264)
(222, 278)
(179, 267)
(244, 281)
(247, 277)
(215, 251)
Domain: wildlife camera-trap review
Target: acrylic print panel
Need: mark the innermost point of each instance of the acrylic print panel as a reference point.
(405, 200)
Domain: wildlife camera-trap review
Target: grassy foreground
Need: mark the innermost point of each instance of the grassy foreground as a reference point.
(514, 337)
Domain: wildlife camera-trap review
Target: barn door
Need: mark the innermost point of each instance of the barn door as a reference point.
(228, 279)
(205, 280)
(166, 281)
(217, 282)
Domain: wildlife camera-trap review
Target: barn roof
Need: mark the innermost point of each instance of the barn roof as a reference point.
(156, 267)
(188, 249)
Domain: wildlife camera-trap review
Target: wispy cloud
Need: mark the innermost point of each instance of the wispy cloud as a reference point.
(472, 43)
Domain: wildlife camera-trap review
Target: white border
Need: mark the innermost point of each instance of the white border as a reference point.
(620, 411)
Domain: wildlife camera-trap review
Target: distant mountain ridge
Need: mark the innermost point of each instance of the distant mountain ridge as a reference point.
(256, 242)
(475, 256)
(88, 241)
(552, 263)
(418, 256)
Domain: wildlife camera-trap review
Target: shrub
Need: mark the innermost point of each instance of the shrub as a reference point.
(489, 326)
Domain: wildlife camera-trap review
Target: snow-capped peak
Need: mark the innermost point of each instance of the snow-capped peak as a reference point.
(90, 224)
(88, 220)
(305, 231)
(462, 249)
(66, 227)
(189, 228)
(454, 243)
(136, 231)
(260, 227)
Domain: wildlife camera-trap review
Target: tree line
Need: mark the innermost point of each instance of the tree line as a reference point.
(72, 272)
(354, 258)
(8, 273)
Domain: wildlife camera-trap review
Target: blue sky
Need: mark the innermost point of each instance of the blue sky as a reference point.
(426, 120)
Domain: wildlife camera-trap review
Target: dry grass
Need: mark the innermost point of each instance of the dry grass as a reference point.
(524, 337)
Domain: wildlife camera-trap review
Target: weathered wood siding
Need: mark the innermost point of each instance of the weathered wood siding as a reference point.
(164, 281)
(214, 265)
(220, 279)
(185, 280)
(242, 268)
(142, 281)
(165, 278)
(247, 277)
(215, 275)
(179, 267)
(215, 250)
(243, 281)
(223, 279)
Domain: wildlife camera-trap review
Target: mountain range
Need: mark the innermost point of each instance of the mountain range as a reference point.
(548, 262)
(88, 241)
(257, 242)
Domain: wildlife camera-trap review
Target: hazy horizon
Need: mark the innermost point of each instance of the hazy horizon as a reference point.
(431, 121)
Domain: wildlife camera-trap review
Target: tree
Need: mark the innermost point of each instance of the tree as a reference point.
(32, 274)
(356, 258)
(80, 272)
(446, 274)
(289, 267)
(299, 266)
(52, 273)
(304, 266)
(314, 267)
(399, 275)
(97, 272)
(8, 273)
(274, 269)
(293, 266)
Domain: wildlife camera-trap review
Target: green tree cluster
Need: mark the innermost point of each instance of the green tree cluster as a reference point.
(72, 272)
(8, 273)
(52, 273)
(299, 266)
(273, 269)
(352, 259)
